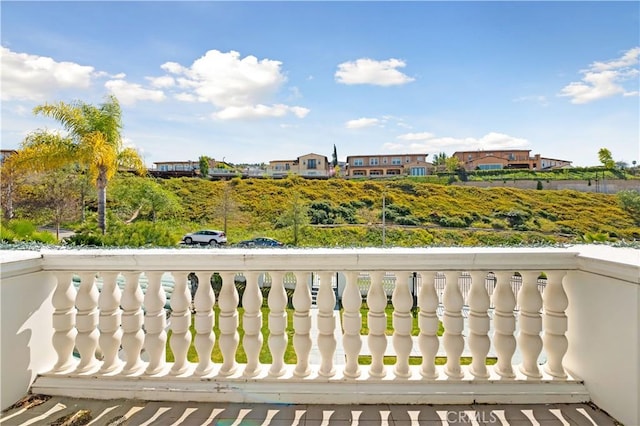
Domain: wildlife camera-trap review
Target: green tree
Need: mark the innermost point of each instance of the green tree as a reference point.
(203, 163)
(145, 197)
(605, 157)
(629, 200)
(54, 196)
(93, 142)
(334, 161)
(452, 164)
(296, 216)
(226, 206)
(440, 159)
(9, 182)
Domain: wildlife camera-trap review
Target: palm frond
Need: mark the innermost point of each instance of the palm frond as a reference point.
(42, 150)
(69, 115)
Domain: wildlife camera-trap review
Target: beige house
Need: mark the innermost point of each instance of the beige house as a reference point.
(309, 165)
(388, 165)
(507, 159)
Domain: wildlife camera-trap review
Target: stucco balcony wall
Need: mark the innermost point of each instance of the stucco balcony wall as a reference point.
(586, 323)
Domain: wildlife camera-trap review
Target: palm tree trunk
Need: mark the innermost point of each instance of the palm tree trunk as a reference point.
(101, 184)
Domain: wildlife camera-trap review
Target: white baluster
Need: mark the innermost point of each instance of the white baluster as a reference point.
(326, 325)
(180, 321)
(453, 322)
(554, 323)
(402, 324)
(87, 322)
(302, 324)
(64, 319)
(252, 324)
(228, 323)
(529, 340)
(351, 324)
(277, 300)
(132, 317)
(155, 321)
(377, 322)
(109, 322)
(428, 323)
(504, 324)
(479, 342)
(204, 320)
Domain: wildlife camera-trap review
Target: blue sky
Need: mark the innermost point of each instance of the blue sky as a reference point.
(251, 82)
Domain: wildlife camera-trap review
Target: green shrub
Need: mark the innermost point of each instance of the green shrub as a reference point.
(630, 201)
(84, 239)
(453, 222)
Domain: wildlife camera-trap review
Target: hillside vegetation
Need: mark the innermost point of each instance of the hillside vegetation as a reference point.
(349, 213)
(147, 212)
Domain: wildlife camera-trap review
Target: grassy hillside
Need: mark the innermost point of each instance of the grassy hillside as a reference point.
(349, 213)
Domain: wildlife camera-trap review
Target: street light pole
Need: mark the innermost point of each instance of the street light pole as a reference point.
(384, 214)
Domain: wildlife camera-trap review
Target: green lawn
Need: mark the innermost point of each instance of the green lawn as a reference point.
(290, 355)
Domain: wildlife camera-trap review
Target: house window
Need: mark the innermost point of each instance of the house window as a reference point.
(396, 161)
(490, 166)
(287, 166)
(359, 173)
(373, 161)
(311, 164)
(418, 171)
(358, 162)
(163, 168)
(384, 160)
(375, 173)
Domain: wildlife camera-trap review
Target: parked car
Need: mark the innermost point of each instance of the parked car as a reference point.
(261, 242)
(205, 236)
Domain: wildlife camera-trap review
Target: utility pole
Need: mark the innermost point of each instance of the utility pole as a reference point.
(384, 214)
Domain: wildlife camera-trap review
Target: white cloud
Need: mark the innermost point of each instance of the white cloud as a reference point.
(430, 143)
(369, 71)
(185, 97)
(259, 111)
(361, 123)
(239, 87)
(162, 82)
(604, 79)
(416, 136)
(130, 93)
(36, 78)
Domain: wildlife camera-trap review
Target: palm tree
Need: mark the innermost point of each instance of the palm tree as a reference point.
(93, 143)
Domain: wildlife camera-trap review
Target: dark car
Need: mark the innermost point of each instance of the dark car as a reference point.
(260, 242)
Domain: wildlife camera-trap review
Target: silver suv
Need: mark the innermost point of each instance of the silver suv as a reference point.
(206, 236)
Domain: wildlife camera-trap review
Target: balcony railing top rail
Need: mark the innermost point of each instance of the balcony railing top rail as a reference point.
(319, 259)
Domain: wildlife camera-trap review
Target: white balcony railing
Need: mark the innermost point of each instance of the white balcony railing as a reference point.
(490, 301)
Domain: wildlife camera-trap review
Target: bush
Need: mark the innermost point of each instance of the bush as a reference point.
(84, 239)
(630, 201)
(453, 222)
(24, 230)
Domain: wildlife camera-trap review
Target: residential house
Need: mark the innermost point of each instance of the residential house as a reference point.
(388, 165)
(309, 165)
(166, 169)
(506, 159)
(4, 153)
